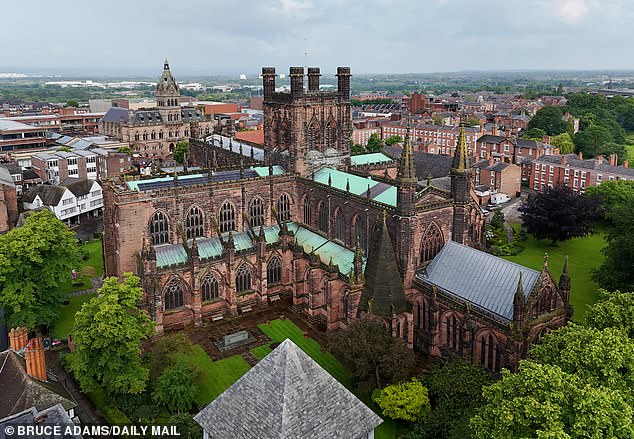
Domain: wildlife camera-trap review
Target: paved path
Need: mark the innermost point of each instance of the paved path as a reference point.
(96, 282)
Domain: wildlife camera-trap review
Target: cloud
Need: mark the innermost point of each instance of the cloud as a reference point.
(572, 11)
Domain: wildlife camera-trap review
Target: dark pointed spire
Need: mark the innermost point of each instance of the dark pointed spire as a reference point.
(519, 301)
(383, 292)
(565, 283)
(166, 65)
(329, 179)
(545, 261)
(406, 169)
(347, 184)
(461, 156)
(368, 193)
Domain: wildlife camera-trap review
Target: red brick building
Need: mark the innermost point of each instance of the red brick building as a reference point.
(8, 201)
(573, 171)
(499, 177)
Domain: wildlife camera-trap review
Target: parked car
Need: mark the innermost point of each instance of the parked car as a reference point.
(497, 199)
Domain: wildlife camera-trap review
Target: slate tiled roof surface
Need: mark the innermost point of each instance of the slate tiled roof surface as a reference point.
(115, 114)
(55, 415)
(436, 165)
(21, 392)
(482, 279)
(50, 195)
(572, 160)
(287, 396)
(5, 177)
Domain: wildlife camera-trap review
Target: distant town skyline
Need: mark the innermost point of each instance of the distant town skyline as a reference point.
(377, 36)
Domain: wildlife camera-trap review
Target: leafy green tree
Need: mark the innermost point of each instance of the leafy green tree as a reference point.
(108, 331)
(612, 193)
(176, 388)
(72, 103)
(559, 214)
(542, 401)
(473, 121)
(125, 150)
(374, 143)
(549, 119)
(374, 358)
(615, 273)
(34, 261)
(599, 357)
(356, 148)
(167, 351)
(407, 401)
(455, 392)
(563, 142)
(534, 134)
(591, 140)
(437, 118)
(392, 140)
(613, 310)
(64, 149)
(185, 425)
(181, 151)
(497, 221)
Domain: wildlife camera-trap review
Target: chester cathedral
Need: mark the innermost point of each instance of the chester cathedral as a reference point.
(307, 227)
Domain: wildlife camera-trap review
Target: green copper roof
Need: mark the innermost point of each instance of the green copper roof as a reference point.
(170, 254)
(263, 171)
(175, 254)
(369, 159)
(379, 191)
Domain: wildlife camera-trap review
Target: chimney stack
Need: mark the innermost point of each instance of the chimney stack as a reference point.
(580, 154)
(268, 81)
(18, 338)
(35, 362)
(626, 163)
(614, 158)
(297, 81)
(343, 81)
(564, 159)
(313, 78)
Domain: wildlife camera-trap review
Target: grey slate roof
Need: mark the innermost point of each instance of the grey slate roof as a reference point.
(78, 187)
(115, 114)
(55, 415)
(287, 395)
(21, 392)
(50, 195)
(5, 177)
(482, 279)
(437, 165)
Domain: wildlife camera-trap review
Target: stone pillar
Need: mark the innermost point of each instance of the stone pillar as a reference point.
(35, 362)
(343, 82)
(313, 78)
(268, 81)
(297, 81)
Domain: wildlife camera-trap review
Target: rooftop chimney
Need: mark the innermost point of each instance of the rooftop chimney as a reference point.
(626, 163)
(614, 158)
(35, 362)
(18, 338)
(268, 80)
(297, 81)
(564, 159)
(343, 81)
(313, 78)
(580, 154)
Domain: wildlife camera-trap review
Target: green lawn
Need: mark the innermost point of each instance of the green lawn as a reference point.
(280, 330)
(66, 319)
(584, 255)
(93, 267)
(216, 376)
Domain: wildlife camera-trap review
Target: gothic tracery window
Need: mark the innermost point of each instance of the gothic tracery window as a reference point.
(490, 354)
(340, 226)
(227, 218)
(194, 223)
(243, 278)
(173, 294)
(307, 211)
(432, 243)
(284, 207)
(159, 228)
(274, 270)
(256, 212)
(210, 288)
(323, 217)
(331, 134)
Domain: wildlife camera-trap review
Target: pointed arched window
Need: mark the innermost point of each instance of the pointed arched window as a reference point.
(359, 230)
(159, 228)
(274, 270)
(323, 217)
(306, 210)
(243, 278)
(432, 243)
(227, 220)
(210, 288)
(340, 226)
(194, 223)
(284, 207)
(173, 294)
(256, 212)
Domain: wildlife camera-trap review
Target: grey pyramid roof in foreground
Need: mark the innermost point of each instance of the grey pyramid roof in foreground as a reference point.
(287, 396)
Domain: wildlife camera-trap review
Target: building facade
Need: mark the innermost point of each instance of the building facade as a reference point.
(154, 132)
(302, 228)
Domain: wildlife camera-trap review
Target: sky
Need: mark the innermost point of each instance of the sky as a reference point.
(371, 36)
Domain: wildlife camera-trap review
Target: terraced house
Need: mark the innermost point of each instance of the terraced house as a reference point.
(303, 227)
